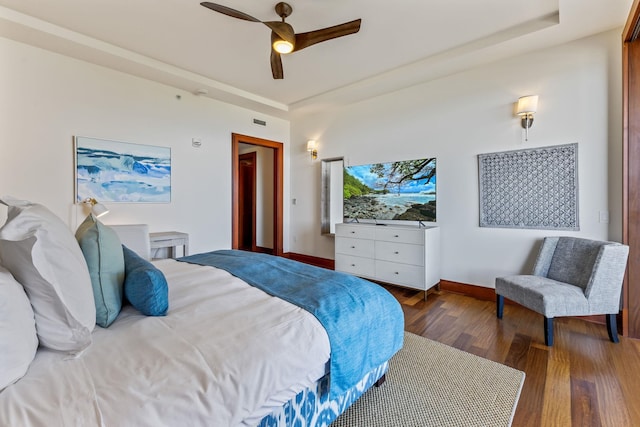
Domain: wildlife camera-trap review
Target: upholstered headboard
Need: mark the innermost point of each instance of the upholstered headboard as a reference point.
(135, 237)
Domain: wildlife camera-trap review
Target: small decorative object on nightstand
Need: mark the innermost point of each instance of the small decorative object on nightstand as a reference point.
(169, 240)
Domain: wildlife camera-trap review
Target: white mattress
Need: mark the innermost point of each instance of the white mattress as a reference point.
(225, 355)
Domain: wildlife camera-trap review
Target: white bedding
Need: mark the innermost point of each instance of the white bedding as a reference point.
(225, 355)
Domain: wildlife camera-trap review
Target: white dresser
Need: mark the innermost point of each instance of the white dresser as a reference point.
(398, 254)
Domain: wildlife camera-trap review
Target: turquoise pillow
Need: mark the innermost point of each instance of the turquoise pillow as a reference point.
(102, 250)
(144, 285)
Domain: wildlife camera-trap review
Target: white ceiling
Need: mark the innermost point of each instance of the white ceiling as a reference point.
(401, 42)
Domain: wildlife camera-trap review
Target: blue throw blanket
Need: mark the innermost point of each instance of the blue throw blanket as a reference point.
(364, 322)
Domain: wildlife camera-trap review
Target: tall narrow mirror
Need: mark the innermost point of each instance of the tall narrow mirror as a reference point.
(331, 199)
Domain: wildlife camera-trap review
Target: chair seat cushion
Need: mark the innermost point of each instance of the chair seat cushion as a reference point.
(545, 296)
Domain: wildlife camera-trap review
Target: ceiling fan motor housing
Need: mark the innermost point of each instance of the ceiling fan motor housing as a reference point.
(283, 9)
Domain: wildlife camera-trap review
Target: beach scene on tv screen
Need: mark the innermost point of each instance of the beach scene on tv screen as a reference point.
(401, 190)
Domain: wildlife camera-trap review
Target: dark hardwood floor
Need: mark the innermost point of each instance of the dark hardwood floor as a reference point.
(583, 380)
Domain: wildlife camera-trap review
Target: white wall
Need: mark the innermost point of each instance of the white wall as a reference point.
(460, 116)
(264, 198)
(48, 98)
(264, 193)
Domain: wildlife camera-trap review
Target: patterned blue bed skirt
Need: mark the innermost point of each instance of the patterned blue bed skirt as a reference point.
(313, 408)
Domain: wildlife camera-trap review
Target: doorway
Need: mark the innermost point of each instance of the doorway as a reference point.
(247, 201)
(257, 213)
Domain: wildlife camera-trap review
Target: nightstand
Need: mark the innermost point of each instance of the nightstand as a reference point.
(169, 240)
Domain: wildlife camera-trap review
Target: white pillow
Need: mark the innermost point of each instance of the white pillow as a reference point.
(18, 340)
(44, 256)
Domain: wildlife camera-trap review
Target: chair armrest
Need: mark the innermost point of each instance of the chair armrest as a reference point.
(543, 261)
(605, 285)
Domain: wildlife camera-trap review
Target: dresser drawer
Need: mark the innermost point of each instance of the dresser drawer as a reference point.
(357, 247)
(400, 252)
(355, 265)
(402, 274)
(356, 231)
(400, 235)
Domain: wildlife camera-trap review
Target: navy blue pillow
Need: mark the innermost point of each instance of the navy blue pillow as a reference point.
(144, 285)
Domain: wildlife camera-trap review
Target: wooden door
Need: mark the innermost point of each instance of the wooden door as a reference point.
(247, 201)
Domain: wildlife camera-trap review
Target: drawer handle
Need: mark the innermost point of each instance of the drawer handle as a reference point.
(396, 252)
(353, 265)
(396, 236)
(353, 232)
(397, 272)
(353, 247)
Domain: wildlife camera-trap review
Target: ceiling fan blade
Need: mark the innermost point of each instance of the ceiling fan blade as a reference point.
(284, 30)
(276, 61)
(229, 12)
(276, 65)
(312, 37)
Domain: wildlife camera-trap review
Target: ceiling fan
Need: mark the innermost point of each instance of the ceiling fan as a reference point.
(283, 39)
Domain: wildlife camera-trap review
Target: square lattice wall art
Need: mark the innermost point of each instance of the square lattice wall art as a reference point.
(530, 188)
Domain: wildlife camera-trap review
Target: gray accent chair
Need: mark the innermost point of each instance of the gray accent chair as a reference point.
(571, 277)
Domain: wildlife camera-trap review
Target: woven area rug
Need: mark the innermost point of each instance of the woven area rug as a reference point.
(432, 384)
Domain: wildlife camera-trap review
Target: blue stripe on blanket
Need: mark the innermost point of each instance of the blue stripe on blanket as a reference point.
(364, 322)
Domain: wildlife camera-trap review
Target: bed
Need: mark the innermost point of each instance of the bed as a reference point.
(226, 353)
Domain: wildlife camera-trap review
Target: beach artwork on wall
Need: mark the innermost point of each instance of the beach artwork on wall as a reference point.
(112, 171)
(401, 190)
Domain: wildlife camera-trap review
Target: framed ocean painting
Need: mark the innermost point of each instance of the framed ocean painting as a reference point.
(112, 171)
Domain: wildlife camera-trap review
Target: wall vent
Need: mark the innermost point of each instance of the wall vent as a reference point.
(259, 122)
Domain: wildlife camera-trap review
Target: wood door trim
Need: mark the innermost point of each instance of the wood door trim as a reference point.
(625, 185)
(630, 172)
(278, 187)
(631, 188)
(632, 22)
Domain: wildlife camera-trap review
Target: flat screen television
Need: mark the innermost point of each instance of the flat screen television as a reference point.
(403, 190)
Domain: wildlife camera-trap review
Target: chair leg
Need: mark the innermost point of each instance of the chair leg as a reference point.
(548, 331)
(612, 327)
(499, 305)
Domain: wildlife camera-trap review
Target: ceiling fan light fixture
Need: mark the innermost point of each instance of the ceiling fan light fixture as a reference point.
(284, 39)
(282, 46)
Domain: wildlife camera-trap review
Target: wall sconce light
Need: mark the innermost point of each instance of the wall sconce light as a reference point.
(97, 208)
(527, 106)
(312, 147)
